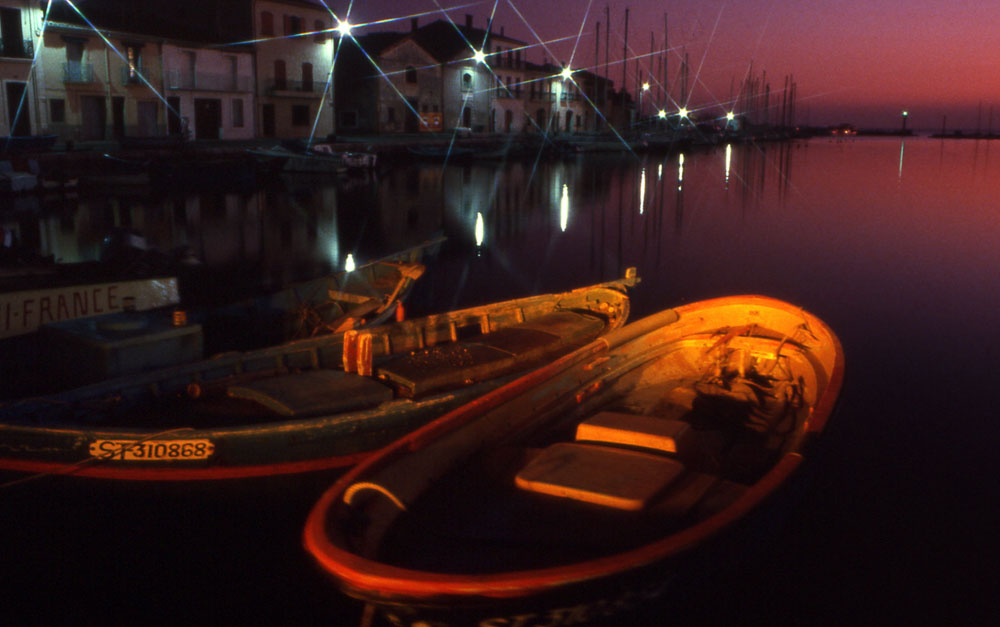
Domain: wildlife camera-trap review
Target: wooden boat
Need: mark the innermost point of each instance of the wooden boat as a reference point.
(31, 296)
(73, 326)
(318, 159)
(363, 297)
(591, 483)
(309, 405)
(352, 160)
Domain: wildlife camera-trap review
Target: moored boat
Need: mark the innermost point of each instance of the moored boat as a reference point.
(592, 484)
(317, 159)
(309, 405)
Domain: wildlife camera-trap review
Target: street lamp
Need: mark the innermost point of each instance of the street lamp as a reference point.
(906, 114)
(645, 88)
(344, 28)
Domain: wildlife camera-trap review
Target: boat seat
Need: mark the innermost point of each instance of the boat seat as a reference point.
(446, 366)
(662, 434)
(618, 478)
(314, 393)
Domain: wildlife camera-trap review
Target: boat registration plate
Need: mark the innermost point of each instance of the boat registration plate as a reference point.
(148, 450)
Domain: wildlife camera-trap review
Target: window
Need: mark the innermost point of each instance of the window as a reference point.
(12, 42)
(76, 70)
(293, 25)
(320, 28)
(466, 81)
(267, 24)
(57, 110)
(411, 75)
(300, 115)
(134, 59)
(280, 77)
(233, 65)
(391, 114)
(307, 77)
(349, 119)
(237, 113)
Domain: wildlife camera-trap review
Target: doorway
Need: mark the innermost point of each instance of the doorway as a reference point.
(207, 118)
(93, 117)
(117, 117)
(267, 120)
(17, 112)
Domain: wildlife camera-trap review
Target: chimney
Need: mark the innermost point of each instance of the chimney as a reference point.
(468, 20)
(414, 25)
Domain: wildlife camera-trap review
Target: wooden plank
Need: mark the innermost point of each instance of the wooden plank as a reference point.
(634, 430)
(617, 478)
(314, 393)
(445, 366)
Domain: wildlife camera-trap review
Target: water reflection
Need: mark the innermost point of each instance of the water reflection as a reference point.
(560, 222)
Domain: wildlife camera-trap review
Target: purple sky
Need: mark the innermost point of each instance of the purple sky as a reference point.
(860, 61)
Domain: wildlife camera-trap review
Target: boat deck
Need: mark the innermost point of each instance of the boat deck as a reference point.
(666, 454)
(272, 395)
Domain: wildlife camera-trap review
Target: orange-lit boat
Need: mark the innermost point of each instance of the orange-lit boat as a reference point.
(308, 405)
(589, 485)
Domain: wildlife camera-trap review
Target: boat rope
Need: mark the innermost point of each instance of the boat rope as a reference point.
(71, 468)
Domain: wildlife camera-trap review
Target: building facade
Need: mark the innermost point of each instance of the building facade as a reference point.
(91, 92)
(386, 83)
(19, 21)
(209, 91)
(293, 47)
(148, 69)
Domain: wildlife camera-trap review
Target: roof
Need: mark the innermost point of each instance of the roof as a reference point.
(206, 21)
(447, 41)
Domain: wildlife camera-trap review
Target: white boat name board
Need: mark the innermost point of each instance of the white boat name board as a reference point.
(25, 311)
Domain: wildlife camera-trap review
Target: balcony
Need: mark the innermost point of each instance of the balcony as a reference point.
(133, 75)
(17, 48)
(294, 88)
(207, 81)
(78, 72)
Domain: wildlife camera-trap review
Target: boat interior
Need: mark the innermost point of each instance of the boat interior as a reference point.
(410, 360)
(678, 433)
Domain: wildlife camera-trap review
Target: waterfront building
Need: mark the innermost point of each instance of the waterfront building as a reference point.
(467, 94)
(209, 91)
(293, 47)
(91, 93)
(513, 81)
(387, 83)
(595, 94)
(20, 20)
(146, 69)
(559, 104)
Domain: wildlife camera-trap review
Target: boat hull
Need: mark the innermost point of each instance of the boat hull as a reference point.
(584, 556)
(63, 434)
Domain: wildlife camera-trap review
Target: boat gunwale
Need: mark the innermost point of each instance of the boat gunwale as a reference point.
(377, 582)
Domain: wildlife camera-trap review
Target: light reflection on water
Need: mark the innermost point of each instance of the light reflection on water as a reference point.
(819, 222)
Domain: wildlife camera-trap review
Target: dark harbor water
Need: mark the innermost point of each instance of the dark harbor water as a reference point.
(896, 245)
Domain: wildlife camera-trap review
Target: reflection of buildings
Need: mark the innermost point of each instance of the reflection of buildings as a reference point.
(408, 205)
